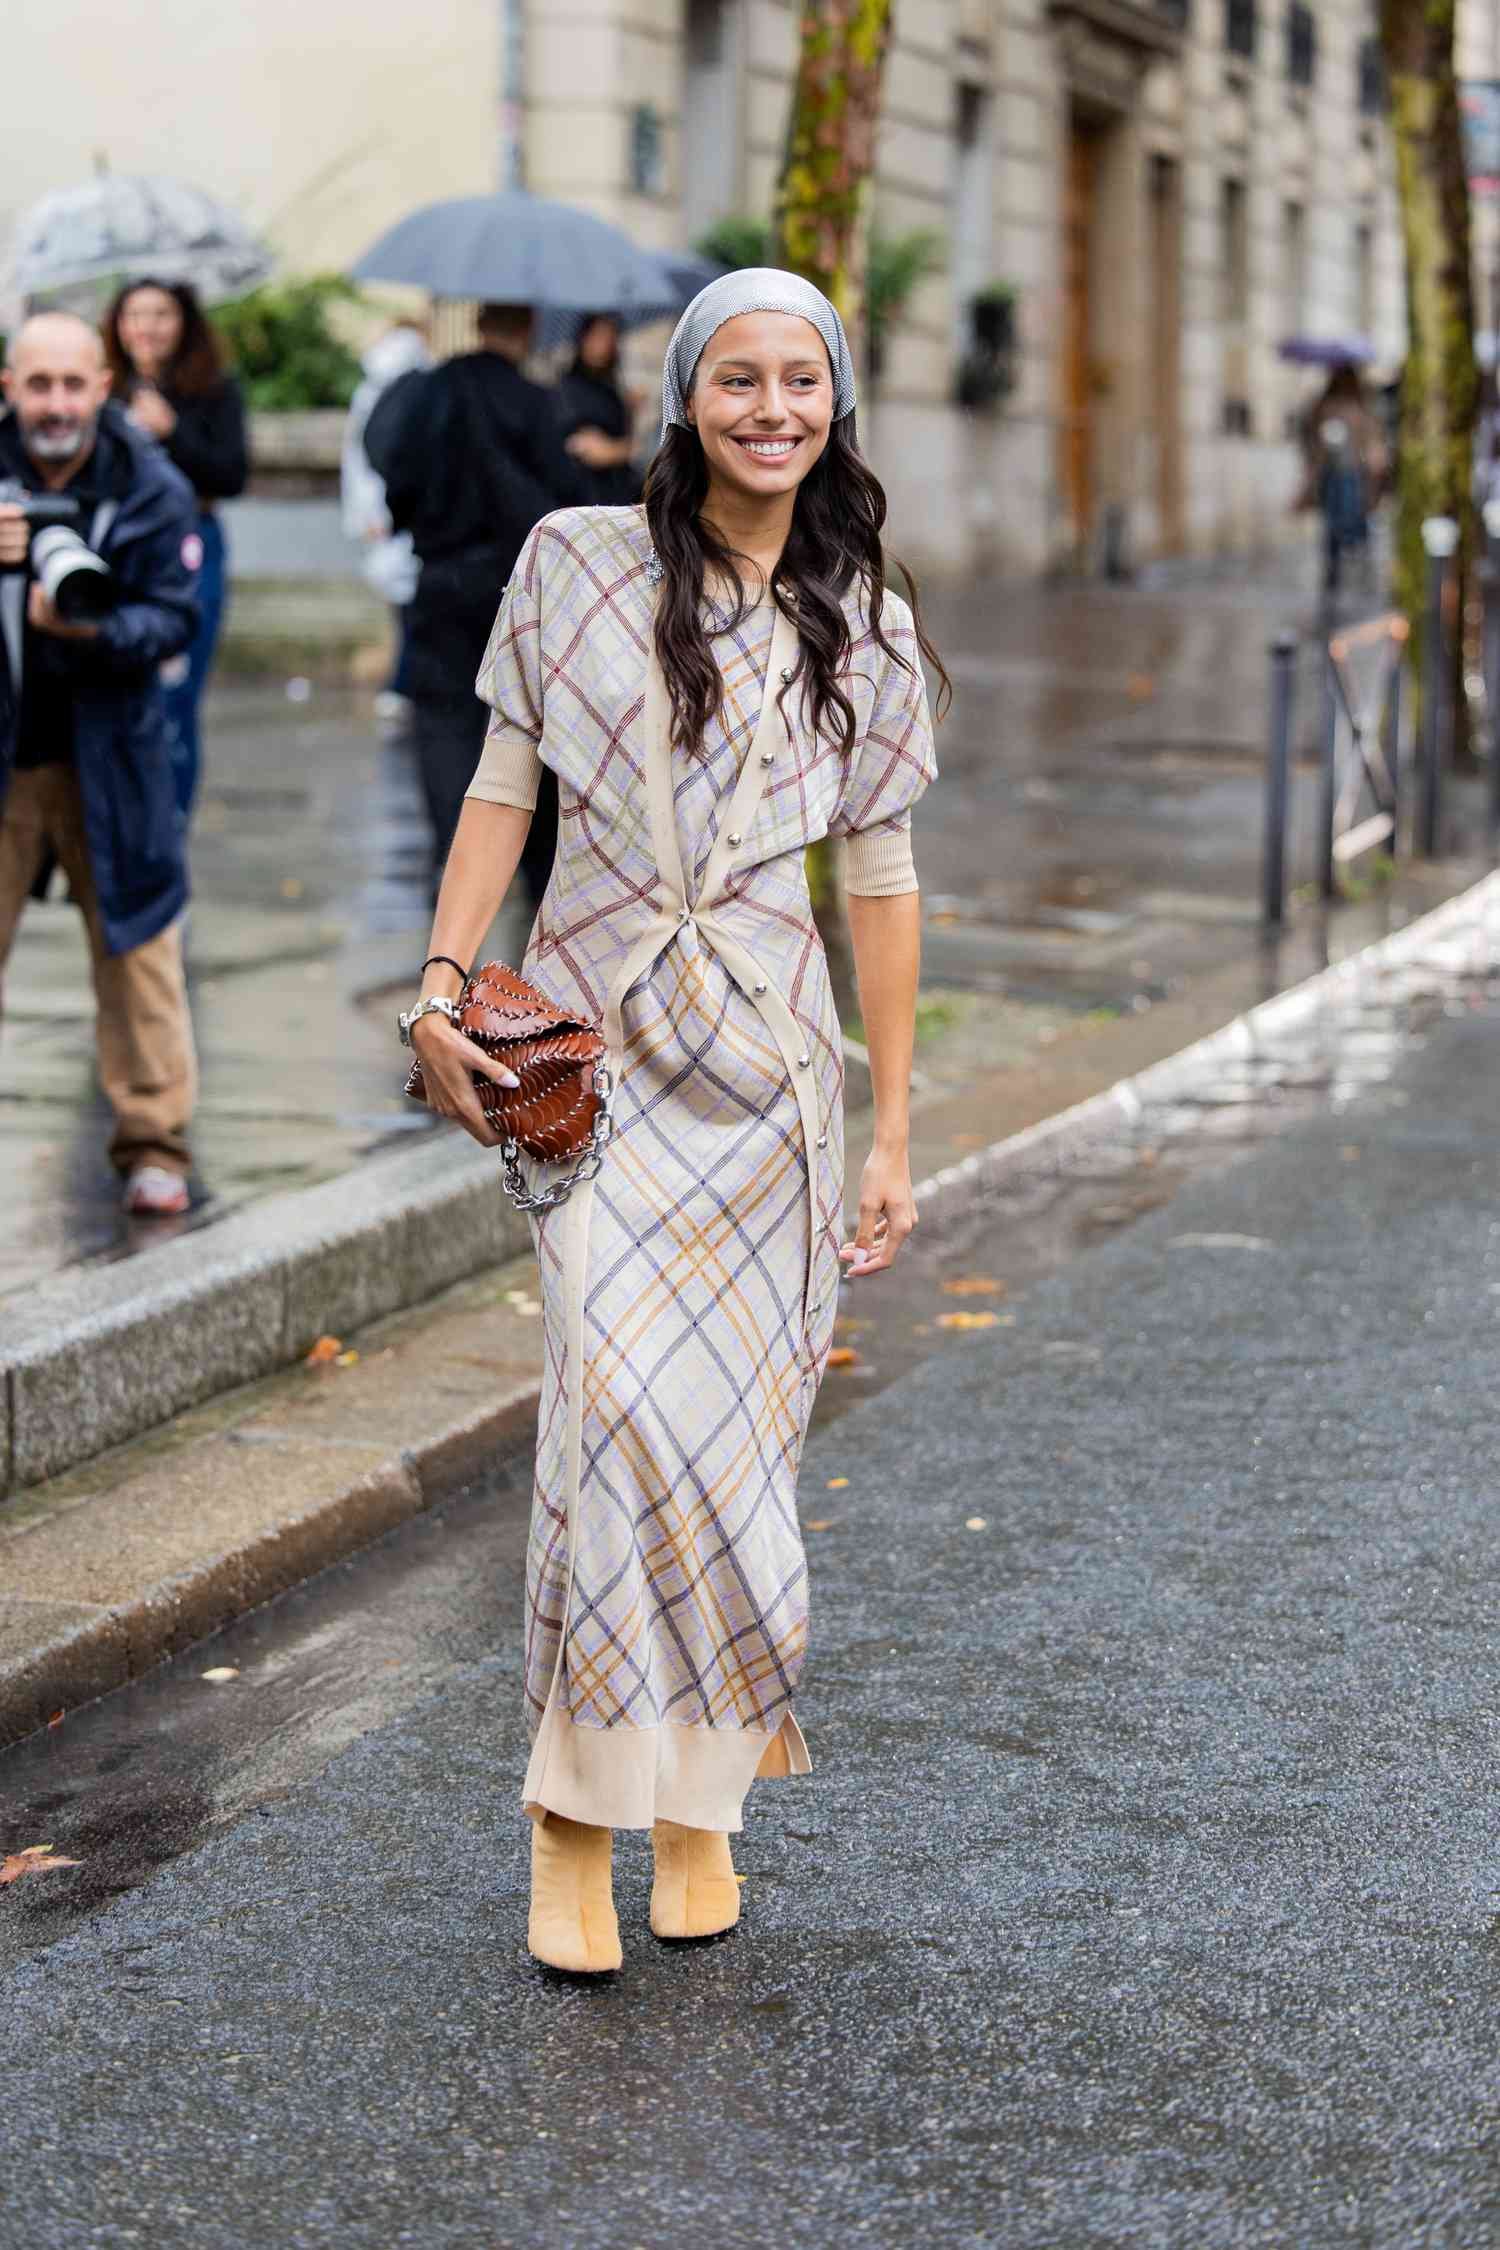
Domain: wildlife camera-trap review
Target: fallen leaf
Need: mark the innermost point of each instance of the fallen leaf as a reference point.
(30, 1861)
(968, 1320)
(347, 1359)
(1351, 1154)
(837, 1484)
(325, 1349)
(922, 1328)
(976, 1523)
(221, 1672)
(842, 1355)
(966, 1140)
(291, 886)
(56, 1719)
(974, 1285)
(742, 1878)
(1140, 687)
(821, 1523)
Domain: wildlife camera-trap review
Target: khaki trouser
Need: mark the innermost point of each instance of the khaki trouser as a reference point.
(147, 1064)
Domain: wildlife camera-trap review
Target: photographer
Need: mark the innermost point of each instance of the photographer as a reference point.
(85, 759)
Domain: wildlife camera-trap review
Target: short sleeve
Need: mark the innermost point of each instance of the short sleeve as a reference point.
(893, 762)
(510, 682)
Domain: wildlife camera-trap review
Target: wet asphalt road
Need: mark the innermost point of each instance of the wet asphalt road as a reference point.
(1146, 1890)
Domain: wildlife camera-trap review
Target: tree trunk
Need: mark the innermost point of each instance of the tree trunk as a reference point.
(822, 232)
(1439, 385)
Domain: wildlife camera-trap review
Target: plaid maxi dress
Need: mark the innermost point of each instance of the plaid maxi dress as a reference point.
(689, 1292)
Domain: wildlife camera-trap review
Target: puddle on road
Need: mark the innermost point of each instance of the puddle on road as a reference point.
(144, 1776)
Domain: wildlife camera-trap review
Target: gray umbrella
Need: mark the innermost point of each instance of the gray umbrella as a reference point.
(81, 242)
(518, 249)
(681, 277)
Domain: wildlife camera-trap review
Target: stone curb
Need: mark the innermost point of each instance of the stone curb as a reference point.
(97, 1355)
(101, 1646)
(1465, 921)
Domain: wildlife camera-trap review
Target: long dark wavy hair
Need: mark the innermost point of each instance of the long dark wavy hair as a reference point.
(196, 368)
(834, 542)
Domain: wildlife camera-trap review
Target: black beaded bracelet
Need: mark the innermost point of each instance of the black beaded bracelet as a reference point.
(445, 961)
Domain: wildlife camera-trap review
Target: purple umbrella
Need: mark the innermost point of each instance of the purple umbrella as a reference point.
(1327, 351)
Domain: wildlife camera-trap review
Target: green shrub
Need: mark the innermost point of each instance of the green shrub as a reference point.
(737, 241)
(284, 347)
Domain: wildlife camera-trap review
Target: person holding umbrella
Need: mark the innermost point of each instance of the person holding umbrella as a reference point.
(471, 458)
(167, 371)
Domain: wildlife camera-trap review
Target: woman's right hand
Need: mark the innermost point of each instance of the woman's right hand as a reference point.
(449, 1063)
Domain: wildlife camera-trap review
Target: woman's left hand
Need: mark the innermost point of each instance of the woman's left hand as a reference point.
(887, 1213)
(150, 412)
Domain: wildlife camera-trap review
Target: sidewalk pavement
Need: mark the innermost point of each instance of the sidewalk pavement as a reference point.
(1091, 850)
(1144, 1888)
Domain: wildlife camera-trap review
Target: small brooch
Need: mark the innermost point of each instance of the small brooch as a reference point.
(655, 570)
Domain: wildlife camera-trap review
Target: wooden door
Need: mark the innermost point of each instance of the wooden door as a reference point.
(1076, 448)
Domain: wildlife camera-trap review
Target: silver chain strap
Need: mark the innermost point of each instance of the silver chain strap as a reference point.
(586, 1168)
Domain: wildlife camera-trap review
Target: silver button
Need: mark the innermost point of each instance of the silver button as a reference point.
(733, 839)
(803, 1061)
(822, 1140)
(786, 676)
(768, 757)
(682, 914)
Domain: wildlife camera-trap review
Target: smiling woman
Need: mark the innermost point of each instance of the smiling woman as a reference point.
(716, 682)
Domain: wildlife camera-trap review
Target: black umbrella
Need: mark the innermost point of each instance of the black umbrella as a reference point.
(520, 249)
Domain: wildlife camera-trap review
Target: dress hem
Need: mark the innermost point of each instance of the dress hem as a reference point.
(631, 1777)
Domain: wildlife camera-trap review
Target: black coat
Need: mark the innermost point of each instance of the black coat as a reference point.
(209, 443)
(471, 460)
(120, 741)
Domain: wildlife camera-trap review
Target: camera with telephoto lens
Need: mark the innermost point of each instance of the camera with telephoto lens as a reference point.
(78, 582)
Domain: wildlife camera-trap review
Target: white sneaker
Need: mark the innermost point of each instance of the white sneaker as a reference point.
(152, 1192)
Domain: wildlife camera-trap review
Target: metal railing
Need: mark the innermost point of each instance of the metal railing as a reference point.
(1360, 753)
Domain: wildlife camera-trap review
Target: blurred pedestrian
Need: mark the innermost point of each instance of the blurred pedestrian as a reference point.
(389, 559)
(596, 415)
(168, 372)
(471, 460)
(85, 764)
(1345, 466)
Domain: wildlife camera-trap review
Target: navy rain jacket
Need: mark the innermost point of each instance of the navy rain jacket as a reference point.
(137, 847)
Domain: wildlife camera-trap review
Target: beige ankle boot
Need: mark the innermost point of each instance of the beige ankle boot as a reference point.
(573, 1924)
(695, 1893)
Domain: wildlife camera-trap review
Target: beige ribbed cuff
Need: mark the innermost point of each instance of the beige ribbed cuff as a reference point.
(509, 771)
(878, 863)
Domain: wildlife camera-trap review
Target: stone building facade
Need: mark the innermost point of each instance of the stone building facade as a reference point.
(1165, 187)
(1135, 200)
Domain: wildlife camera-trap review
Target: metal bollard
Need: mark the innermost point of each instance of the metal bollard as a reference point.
(1393, 746)
(1440, 538)
(1278, 775)
(1328, 779)
(1490, 643)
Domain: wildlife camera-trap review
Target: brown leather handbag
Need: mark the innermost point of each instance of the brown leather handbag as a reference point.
(561, 1111)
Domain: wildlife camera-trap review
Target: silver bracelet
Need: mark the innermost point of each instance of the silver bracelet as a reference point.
(437, 1007)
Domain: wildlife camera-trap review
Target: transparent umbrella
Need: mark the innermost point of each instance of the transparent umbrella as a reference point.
(75, 246)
